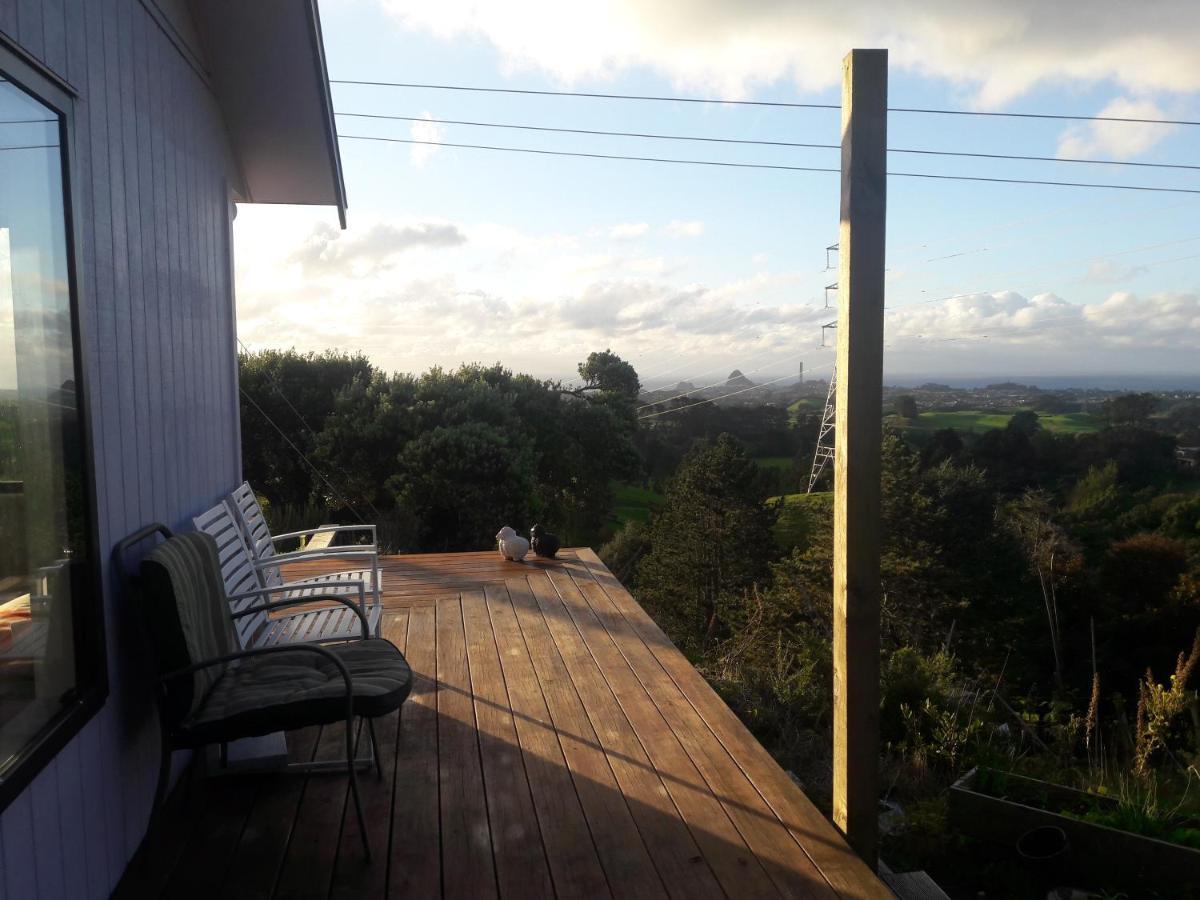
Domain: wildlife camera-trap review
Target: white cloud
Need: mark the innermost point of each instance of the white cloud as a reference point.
(1105, 271)
(624, 231)
(996, 50)
(679, 228)
(1045, 334)
(424, 131)
(541, 302)
(1121, 140)
(328, 249)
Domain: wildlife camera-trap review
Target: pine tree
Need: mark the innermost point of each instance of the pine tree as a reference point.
(711, 540)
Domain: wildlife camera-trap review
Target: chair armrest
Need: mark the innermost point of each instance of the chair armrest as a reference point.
(263, 592)
(301, 601)
(302, 555)
(325, 529)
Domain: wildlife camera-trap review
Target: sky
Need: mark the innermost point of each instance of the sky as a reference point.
(461, 255)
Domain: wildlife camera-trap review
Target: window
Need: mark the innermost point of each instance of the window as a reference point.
(51, 675)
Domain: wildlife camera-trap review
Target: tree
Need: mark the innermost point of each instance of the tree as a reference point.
(626, 549)
(712, 539)
(1141, 570)
(296, 392)
(1128, 409)
(464, 483)
(605, 371)
(571, 447)
(906, 407)
(1051, 556)
(1024, 422)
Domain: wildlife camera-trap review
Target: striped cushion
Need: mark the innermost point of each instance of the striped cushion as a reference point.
(187, 615)
(295, 688)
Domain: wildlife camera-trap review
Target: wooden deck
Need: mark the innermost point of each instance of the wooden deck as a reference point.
(556, 744)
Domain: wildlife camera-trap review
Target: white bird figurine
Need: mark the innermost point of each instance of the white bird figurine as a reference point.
(511, 545)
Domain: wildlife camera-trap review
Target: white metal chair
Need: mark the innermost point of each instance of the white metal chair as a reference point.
(247, 585)
(262, 543)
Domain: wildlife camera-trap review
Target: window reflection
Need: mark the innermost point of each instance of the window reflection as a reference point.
(41, 472)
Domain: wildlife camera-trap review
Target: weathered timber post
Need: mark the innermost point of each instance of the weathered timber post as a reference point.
(858, 440)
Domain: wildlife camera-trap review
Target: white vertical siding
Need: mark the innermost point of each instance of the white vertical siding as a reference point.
(152, 165)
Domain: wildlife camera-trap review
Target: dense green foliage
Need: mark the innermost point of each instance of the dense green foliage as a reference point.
(442, 459)
(711, 541)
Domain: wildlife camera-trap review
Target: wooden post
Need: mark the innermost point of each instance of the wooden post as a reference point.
(858, 440)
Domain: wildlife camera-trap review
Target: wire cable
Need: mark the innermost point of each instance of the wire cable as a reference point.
(754, 387)
(740, 165)
(301, 454)
(761, 143)
(796, 357)
(772, 103)
(283, 395)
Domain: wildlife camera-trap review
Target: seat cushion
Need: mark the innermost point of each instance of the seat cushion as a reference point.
(295, 687)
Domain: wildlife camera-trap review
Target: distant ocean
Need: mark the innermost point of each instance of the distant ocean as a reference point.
(1058, 382)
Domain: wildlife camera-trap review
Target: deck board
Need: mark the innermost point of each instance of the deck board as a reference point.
(555, 744)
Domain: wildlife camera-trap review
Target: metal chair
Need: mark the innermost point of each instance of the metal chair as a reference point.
(209, 691)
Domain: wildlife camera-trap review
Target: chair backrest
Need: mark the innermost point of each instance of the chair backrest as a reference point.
(187, 618)
(256, 531)
(236, 565)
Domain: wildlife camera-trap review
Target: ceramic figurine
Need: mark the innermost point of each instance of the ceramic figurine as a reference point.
(544, 543)
(511, 545)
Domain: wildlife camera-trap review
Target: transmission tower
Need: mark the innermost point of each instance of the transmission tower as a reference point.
(824, 451)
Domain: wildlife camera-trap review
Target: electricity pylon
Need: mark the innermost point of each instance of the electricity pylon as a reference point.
(824, 451)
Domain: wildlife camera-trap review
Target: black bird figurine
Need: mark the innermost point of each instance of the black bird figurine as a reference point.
(543, 542)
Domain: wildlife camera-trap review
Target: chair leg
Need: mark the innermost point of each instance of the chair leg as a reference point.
(351, 754)
(160, 793)
(375, 748)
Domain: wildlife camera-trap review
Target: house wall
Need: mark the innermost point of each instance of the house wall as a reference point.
(152, 174)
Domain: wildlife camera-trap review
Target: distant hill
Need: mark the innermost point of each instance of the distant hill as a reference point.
(737, 380)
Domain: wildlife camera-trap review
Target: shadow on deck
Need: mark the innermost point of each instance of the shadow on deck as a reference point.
(555, 744)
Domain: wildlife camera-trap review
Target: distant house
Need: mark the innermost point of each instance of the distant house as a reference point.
(127, 130)
(1187, 457)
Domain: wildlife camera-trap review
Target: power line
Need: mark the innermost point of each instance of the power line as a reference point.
(754, 387)
(592, 95)
(771, 103)
(761, 143)
(283, 395)
(793, 358)
(583, 155)
(785, 168)
(301, 454)
(1081, 259)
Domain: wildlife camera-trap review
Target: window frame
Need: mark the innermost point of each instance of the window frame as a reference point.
(87, 595)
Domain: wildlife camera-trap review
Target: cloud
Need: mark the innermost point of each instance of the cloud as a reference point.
(1122, 140)
(625, 231)
(678, 228)
(1105, 271)
(424, 131)
(328, 249)
(541, 301)
(1046, 334)
(998, 51)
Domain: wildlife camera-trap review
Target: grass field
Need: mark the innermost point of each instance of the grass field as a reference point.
(978, 421)
(802, 513)
(804, 404)
(634, 503)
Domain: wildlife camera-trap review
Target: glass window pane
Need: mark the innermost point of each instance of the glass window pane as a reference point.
(42, 534)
